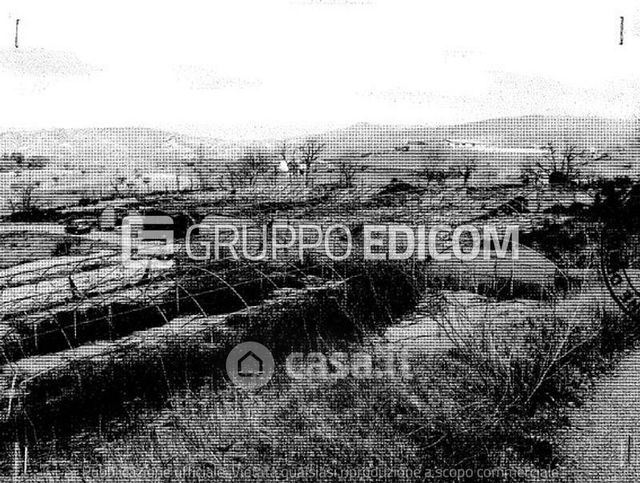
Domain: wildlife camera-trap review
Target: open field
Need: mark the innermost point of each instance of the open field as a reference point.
(107, 367)
(319, 241)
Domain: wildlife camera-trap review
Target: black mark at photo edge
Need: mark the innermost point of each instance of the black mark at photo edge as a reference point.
(614, 265)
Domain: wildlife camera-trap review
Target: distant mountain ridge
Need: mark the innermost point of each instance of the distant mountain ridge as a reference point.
(140, 146)
(103, 145)
(525, 131)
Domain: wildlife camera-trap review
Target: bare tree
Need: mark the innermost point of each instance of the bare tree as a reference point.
(435, 166)
(26, 184)
(530, 175)
(465, 168)
(348, 169)
(247, 170)
(563, 164)
(434, 175)
(254, 164)
(23, 192)
(310, 152)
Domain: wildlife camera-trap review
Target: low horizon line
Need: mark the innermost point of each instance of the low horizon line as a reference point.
(183, 131)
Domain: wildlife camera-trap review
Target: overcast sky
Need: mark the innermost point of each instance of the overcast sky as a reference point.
(259, 68)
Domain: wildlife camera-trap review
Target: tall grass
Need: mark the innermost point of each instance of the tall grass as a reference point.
(189, 350)
(494, 399)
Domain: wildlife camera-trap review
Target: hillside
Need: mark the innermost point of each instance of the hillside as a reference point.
(129, 146)
(522, 131)
(106, 146)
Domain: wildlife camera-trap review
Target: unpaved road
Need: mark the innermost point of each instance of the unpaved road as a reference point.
(603, 441)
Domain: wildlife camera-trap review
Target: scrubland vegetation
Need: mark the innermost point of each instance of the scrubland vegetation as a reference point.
(498, 351)
(494, 399)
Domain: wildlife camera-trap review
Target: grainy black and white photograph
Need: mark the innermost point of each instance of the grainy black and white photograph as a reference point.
(319, 241)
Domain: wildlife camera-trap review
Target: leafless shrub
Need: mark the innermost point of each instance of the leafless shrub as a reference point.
(310, 152)
(465, 168)
(23, 190)
(348, 168)
(26, 183)
(432, 175)
(248, 169)
(561, 164)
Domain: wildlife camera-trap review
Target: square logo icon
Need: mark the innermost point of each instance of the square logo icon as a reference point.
(148, 239)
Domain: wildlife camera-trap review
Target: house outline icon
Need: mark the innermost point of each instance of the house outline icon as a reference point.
(244, 371)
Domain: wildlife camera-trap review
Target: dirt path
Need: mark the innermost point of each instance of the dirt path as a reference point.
(603, 441)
